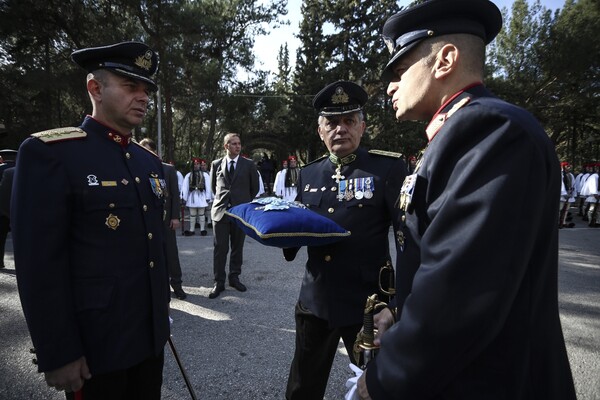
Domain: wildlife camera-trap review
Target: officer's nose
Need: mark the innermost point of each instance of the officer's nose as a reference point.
(144, 97)
(391, 89)
(341, 128)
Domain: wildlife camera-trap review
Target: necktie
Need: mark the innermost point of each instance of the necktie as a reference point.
(231, 168)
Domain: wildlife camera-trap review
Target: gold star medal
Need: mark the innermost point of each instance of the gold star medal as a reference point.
(112, 221)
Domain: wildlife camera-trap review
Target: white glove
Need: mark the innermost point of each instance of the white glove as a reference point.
(352, 383)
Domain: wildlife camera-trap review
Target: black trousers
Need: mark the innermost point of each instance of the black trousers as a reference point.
(316, 345)
(226, 230)
(173, 265)
(140, 382)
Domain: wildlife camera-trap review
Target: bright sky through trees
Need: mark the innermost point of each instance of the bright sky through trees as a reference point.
(266, 48)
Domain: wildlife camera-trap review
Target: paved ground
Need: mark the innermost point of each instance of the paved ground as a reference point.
(239, 346)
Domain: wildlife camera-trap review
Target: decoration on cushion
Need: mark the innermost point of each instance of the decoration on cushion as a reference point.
(275, 203)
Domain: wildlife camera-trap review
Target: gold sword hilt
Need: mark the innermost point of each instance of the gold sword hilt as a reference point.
(388, 270)
(364, 344)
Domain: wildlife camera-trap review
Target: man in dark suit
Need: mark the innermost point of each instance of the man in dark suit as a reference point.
(234, 180)
(357, 189)
(476, 290)
(171, 222)
(91, 269)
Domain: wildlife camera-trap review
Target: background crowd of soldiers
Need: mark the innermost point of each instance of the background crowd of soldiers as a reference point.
(581, 191)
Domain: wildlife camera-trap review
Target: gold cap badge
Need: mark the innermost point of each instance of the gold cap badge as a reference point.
(340, 97)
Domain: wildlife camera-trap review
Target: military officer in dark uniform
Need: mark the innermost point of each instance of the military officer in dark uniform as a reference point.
(477, 299)
(91, 267)
(171, 222)
(357, 189)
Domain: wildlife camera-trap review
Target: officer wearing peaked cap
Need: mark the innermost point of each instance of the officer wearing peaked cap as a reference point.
(357, 189)
(433, 18)
(94, 283)
(476, 280)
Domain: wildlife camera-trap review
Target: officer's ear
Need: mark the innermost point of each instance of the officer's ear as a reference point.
(94, 87)
(319, 129)
(445, 60)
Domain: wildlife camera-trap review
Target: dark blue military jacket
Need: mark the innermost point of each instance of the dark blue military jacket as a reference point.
(89, 253)
(339, 277)
(477, 277)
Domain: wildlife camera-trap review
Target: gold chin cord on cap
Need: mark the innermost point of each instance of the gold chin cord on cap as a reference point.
(364, 349)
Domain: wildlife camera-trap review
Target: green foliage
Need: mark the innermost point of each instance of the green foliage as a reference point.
(349, 48)
(547, 62)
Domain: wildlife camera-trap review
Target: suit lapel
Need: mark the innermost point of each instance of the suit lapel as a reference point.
(224, 168)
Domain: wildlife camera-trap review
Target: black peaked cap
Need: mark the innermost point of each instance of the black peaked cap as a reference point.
(341, 97)
(404, 30)
(131, 59)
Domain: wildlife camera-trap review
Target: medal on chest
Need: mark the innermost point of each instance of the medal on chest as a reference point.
(338, 178)
(406, 193)
(158, 185)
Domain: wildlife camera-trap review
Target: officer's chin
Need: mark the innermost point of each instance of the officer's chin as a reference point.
(342, 149)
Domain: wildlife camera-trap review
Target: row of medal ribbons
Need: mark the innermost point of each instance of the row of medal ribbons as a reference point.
(356, 188)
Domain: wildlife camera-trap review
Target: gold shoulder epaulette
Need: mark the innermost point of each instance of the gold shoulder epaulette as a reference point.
(60, 134)
(316, 160)
(385, 153)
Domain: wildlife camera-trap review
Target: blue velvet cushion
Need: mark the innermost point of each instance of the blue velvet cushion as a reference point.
(279, 223)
